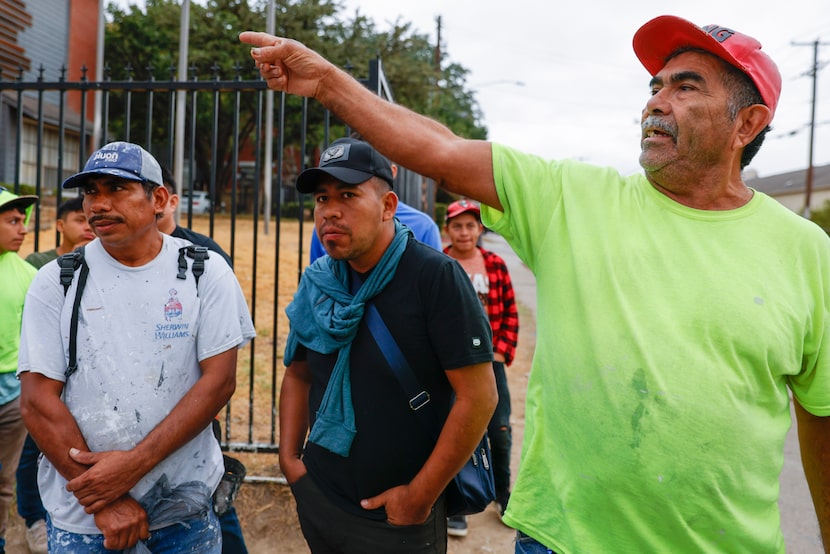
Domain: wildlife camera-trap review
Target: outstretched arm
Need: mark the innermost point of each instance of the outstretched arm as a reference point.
(814, 439)
(412, 140)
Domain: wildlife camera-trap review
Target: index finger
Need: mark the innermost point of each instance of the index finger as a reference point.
(256, 38)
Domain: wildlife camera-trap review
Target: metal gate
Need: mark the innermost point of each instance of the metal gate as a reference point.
(48, 128)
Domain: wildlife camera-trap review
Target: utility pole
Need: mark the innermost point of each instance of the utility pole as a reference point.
(436, 95)
(808, 183)
(268, 169)
(181, 105)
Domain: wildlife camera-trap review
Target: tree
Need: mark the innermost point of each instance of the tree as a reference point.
(145, 44)
(409, 63)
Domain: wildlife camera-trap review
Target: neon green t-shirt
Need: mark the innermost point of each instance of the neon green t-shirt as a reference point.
(15, 277)
(658, 404)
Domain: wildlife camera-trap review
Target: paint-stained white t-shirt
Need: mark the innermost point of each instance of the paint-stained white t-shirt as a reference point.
(142, 332)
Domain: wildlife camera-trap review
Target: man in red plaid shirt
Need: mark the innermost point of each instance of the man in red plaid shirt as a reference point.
(491, 281)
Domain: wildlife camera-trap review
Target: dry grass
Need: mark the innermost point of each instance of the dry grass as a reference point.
(269, 287)
(268, 281)
(266, 510)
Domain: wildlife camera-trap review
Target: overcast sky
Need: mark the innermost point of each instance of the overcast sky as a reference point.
(561, 79)
(583, 86)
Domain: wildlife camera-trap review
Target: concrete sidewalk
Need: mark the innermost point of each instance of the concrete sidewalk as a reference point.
(798, 518)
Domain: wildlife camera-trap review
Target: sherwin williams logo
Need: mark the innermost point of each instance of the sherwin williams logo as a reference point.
(173, 308)
(174, 328)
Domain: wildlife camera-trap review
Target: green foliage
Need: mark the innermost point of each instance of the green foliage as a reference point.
(440, 213)
(822, 217)
(144, 44)
(23, 190)
(409, 64)
(292, 209)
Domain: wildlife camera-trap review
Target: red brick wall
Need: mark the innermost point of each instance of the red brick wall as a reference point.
(83, 38)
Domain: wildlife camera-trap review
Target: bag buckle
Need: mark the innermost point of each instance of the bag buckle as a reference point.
(419, 400)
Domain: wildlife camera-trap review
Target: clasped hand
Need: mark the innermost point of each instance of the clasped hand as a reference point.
(110, 475)
(102, 490)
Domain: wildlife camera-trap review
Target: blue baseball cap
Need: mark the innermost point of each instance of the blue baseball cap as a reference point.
(120, 159)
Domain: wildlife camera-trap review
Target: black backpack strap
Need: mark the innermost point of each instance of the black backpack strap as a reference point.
(73, 324)
(69, 264)
(198, 254)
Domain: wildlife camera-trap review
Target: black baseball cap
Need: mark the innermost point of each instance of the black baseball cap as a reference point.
(348, 160)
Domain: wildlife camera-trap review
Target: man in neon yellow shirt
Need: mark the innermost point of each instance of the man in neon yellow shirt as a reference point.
(15, 277)
(677, 310)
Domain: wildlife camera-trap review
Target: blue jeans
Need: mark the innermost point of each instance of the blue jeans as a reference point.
(200, 534)
(529, 545)
(501, 435)
(232, 540)
(29, 505)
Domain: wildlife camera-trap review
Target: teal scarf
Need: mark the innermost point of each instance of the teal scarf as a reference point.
(324, 317)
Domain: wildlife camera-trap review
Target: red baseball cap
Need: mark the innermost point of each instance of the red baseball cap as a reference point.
(658, 39)
(461, 206)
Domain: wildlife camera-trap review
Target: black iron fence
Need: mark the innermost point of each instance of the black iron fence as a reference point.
(48, 128)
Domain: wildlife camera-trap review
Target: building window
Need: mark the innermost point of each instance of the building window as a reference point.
(51, 175)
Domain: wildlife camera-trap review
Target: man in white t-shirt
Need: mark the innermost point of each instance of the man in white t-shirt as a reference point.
(127, 436)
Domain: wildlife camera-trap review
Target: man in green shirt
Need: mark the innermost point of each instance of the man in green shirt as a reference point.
(678, 309)
(15, 277)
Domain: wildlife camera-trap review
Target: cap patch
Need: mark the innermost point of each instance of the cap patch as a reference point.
(718, 33)
(334, 153)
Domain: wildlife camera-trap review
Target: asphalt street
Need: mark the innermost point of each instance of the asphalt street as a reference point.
(798, 519)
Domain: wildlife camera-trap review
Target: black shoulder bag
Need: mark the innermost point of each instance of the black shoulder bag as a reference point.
(473, 488)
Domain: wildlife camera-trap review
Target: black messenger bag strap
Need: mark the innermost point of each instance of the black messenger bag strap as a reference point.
(418, 397)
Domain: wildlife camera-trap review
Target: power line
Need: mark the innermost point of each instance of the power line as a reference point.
(808, 189)
(790, 133)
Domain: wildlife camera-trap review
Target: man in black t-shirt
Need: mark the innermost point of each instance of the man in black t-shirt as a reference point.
(370, 477)
(168, 225)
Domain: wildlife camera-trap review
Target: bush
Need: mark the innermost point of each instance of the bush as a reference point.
(24, 188)
(292, 209)
(821, 217)
(440, 214)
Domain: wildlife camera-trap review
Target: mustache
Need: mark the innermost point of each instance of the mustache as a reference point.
(655, 122)
(333, 227)
(107, 218)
